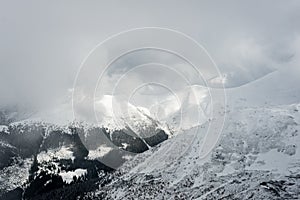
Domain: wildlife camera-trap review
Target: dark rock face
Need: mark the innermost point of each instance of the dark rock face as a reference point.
(7, 155)
(135, 144)
(159, 137)
(26, 139)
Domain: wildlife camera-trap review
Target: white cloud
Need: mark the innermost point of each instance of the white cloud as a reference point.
(43, 44)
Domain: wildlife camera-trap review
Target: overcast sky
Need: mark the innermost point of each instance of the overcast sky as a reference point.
(42, 43)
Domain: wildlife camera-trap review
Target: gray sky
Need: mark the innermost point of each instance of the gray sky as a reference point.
(42, 43)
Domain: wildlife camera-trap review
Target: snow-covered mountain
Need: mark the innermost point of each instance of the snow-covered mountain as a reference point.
(67, 154)
(257, 155)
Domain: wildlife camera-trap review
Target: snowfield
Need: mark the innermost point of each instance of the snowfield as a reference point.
(256, 158)
(99, 152)
(61, 153)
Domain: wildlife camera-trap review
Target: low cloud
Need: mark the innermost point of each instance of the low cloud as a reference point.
(43, 44)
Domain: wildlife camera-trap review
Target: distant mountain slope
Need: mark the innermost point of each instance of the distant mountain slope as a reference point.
(257, 157)
(53, 157)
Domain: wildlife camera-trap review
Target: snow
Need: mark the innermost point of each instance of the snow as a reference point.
(15, 175)
(124, 145)
(4, 128)
(127, 157)
(99, 152)
(111, 116)
(274, 161)
(255, 147)
(47, 182)
(268, 90)
(60, 153)
(68, 176)
(260, 142)
(260, 137)
(4, 144)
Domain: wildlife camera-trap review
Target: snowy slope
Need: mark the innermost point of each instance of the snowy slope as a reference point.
(138, 119)
(280, 87)
(258, 146)
(257, 156)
